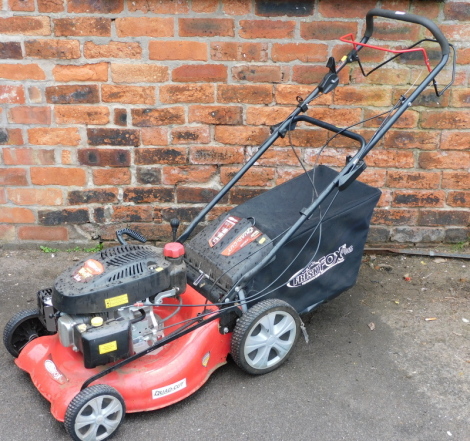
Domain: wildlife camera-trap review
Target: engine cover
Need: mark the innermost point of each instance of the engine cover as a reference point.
(116, 277)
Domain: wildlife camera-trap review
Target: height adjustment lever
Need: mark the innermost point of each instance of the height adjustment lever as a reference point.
(330, 80)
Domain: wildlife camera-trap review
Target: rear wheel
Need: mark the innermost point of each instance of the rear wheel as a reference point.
(22, 328)
(95, 413)
(265, 336)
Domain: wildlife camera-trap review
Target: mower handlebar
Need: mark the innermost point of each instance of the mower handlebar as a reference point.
(410, 18)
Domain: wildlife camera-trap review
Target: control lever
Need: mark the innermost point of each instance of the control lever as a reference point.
(174, 223)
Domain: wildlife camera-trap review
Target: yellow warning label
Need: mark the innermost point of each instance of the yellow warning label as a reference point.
(107, 347)
(116, 301)
(262, 240)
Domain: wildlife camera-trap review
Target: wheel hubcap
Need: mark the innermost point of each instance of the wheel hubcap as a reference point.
(270, 339)
(99, 418)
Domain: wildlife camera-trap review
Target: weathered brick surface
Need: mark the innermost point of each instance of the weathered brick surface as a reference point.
(129, 113)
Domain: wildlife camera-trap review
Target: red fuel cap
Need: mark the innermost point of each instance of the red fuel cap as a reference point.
(173, 250)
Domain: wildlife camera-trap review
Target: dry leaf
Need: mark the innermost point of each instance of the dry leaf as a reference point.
(430, 319)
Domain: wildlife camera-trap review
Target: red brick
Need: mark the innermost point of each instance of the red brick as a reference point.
(54, 136)
(161, 155)
(460, 98)
(422, 180)
(28, 156)
(39, 232)
(11, 50)
(3, 196)
(67, 114)
(254, 177)
(241, 135)
(13, 176)
(236, 7)
(35, 196)
(459, 199)
(190, 135)
(305, 52)
(387, 76)
(21, 5)
(113, 49)
(239, 195)
(149, 175)
(390, 158)
(272, 29)
(178, 50)
(158, 117)
(206, 27)
(154, 136)
(114, 176)
(11, 137)
(115, 137)
(394, 217)
(93, 196)
(374, 177)
(456, 180)
(418, 198)
(30, 115)
(344, 116)
(362, 96)
(337, 8)
(445, 159)
(463, 55)
(216, 114)
(399, 31)
(65, 176)
(145, 195)
(426, 9)
(133, 214)
(82, 26)
(95, 6)
(120, 117)
(287, 93)
(85, 72)
(7, 233)
(246, 93)
(427, 98)
(50, 5)
(326, 30)
(275, 156)
(331, 157)
(216, 155)
(189, 173)
(236, 51)
(308, 74)
(16, 215)
(25, 25)
(187, 93)
(60, 49)
(412, 139)
(21, 72)
(144, 27)
(138, 73)
(128, 94)
(200, 72)
(73, 94)
(302, 8)
(12, 94)
(205, 6)
(440, 218)
(285, 174)
(35, 95)
(456, 32)
(259, 73)
(455, 140)
(257, 116)
(159, 7)
(408, 120)
(194, 195)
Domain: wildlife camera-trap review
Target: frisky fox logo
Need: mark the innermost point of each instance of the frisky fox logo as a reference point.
(315, 269)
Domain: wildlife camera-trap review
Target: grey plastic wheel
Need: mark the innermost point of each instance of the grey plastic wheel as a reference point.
(22, 328)
(95, 413)
(264, 336)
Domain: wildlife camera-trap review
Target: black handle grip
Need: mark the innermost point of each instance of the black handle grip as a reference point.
(410, 18)
(130, 233)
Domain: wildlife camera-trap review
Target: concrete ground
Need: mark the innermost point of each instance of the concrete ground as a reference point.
(388, 360)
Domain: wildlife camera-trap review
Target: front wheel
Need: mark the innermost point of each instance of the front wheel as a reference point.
(95, 413)
(264, 336)
(22, 328)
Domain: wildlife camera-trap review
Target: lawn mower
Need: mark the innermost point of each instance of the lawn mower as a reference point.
(135, 327)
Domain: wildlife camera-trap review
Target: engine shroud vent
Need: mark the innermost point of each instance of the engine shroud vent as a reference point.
(130, 273)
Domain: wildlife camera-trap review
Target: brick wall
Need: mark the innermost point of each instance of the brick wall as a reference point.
(124, 113)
